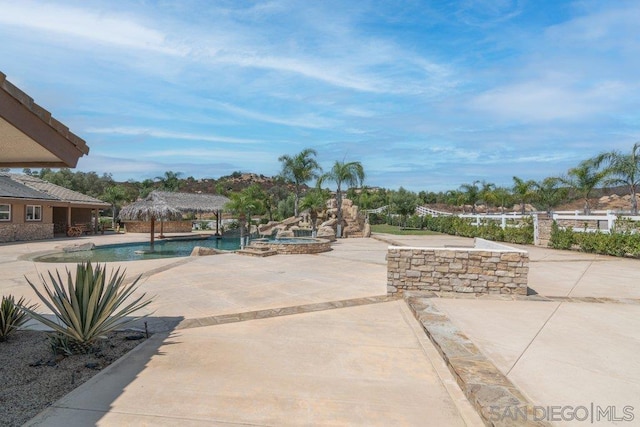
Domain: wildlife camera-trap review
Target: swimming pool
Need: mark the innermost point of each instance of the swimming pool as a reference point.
(131, 251)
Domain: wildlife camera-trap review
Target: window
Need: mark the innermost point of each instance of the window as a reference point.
(34, 213)
(5, 212)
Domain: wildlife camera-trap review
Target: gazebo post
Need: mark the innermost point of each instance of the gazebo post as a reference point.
(152, 233)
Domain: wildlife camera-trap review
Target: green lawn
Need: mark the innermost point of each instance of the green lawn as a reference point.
(393, 229)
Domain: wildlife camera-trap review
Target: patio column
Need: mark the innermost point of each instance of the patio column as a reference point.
(68, 216)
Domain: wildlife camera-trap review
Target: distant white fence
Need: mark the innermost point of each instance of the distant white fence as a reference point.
(597, 221)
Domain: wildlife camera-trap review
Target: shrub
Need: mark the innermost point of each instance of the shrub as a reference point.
(490, 230)
(561, 238)
(90, 306)
(12, 316)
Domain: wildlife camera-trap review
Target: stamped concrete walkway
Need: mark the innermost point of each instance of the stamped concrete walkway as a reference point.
(367, 363)
(283, 340)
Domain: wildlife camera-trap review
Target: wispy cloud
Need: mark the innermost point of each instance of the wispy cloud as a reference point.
(312, 121)
(84, 24)
(156, 133)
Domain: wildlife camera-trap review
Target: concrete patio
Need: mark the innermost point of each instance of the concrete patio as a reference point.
(332, 350)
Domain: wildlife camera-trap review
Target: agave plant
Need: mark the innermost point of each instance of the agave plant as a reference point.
(89, 306)
(12, 316)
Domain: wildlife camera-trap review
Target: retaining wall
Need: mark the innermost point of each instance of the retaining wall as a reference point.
(314, 246)
(487, 268)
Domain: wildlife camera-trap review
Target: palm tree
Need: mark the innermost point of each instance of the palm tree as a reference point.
(487, 193)
(502, 196)
(584, 178)
(300, 169)
(455, 198)
(623, 169)
(350, 173)
(471, 194)
(523, 191)
(315, 200)
(242, 204)
(549, 193)
(170, 181)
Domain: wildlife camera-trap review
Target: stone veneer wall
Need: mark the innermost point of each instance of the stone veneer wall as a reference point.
(488, 268)
(167, 227)
(315, 246)
(27, 231)
(543, 230)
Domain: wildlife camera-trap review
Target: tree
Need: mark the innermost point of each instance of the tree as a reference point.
(471, 195)
(502, 197)
(404, 203)
(242, 204)
(455, 198)
(315, 201)
(487, 193)
(350, 173)
(300, 169)
(114, 195)
(549, 194)
(584, 178)
(523, 191)
(170, 181)
(623, 169)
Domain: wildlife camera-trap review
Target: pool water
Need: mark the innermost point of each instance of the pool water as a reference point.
(127, 251)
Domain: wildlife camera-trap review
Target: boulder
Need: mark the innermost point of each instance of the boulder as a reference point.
(203, 251)
(79, 247)
(325, 232)
(284, 234)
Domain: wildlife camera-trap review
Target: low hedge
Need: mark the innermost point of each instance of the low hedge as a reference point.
(521, 233)
(621, 241)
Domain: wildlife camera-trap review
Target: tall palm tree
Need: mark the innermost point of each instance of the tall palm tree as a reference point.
(523, 191)
(300, 169)
(471, 194)
(584, 178)
(349, 173)
(623, 169)
(315, 200)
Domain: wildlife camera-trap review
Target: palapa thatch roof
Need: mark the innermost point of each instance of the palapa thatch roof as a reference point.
(189, 202)
(167, 205)
(145, 210)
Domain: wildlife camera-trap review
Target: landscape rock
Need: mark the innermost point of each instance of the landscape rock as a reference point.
(79, 247)
(203, 251)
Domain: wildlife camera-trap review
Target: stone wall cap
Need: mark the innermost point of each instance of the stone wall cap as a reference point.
(507, 249)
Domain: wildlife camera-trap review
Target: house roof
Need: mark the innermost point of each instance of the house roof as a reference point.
(16, 186)
(16, 190)
(30, 136)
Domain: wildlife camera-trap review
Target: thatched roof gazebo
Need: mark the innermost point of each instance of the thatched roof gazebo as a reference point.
(149, 210)
(189, 202)
(164, 205)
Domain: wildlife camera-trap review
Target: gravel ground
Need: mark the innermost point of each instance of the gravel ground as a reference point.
(32, 379)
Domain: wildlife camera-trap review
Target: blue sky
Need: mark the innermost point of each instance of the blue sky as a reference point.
(428, 95)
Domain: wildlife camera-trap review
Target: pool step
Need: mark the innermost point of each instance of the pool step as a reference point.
(257, 251)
